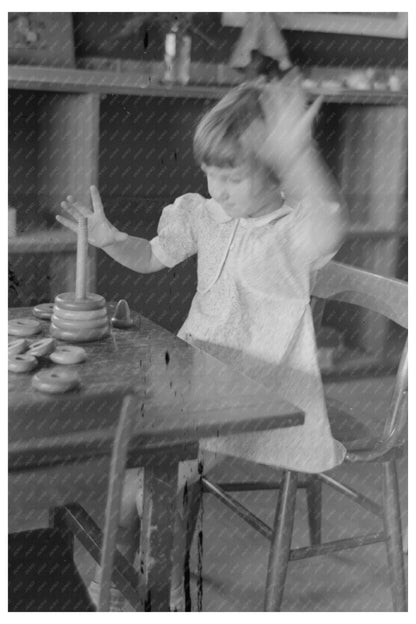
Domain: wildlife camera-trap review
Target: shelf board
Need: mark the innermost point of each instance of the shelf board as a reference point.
(132, 83)
(43, 241)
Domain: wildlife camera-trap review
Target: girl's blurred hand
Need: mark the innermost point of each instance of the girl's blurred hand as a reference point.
(100, 231)
(286, 132)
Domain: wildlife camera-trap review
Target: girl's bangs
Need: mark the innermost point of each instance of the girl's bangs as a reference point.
(220, 152)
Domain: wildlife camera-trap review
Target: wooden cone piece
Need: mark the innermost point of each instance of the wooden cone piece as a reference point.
(121, 318)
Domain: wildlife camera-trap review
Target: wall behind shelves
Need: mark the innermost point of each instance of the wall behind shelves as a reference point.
(145, 162)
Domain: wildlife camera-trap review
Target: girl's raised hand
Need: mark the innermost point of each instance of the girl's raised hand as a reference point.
(287, 128)
(100, 231)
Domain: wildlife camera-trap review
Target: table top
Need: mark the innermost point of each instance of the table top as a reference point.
(183, 394)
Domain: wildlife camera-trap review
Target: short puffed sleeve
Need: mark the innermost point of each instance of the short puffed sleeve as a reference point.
(176, 237)
(314, 236)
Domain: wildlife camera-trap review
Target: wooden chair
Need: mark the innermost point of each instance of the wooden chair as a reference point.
(41, 562)
(73, 521)
(387, 297)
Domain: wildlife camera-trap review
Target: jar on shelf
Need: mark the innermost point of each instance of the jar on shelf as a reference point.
(177, 57)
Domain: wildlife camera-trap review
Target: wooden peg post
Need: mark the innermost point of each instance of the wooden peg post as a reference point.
(82, 254)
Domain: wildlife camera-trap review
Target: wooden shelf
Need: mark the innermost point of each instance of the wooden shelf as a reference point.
(43, 241)
(133, 83)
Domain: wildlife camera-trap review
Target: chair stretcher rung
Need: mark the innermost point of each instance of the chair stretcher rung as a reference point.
(238, 508)
(336, 546)
(83, 527)
(249, 486)
(358, 498)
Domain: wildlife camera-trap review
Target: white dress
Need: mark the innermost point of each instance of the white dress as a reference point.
(252, 311)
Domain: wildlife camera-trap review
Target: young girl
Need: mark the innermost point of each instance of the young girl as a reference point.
(274, 216)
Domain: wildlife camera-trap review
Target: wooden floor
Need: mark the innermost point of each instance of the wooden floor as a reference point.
(234, 556)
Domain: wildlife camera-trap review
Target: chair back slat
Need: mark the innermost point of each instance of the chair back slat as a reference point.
(396, 426)
(388, 297)
(385, 295)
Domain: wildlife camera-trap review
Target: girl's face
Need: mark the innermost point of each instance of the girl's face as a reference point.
(241, 192)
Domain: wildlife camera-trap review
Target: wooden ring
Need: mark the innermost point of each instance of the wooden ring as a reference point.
(43, 311)
(87, 335)
(22, 363)
(79, 324)
(42, 347)
(55, 381)
(24, 327)
(68, 301)
(68, 355)
(17, 346)
(79, 314)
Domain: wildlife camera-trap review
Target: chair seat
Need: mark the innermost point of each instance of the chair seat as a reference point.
(345, 427)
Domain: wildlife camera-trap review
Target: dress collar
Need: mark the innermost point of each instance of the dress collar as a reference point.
(219, 215)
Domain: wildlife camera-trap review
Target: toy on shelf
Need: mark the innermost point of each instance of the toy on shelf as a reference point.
(80, 316)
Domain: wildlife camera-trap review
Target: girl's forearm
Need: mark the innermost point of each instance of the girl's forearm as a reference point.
(308, 177)
(133, 253)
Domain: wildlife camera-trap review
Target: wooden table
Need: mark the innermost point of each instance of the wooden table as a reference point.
(59, 445)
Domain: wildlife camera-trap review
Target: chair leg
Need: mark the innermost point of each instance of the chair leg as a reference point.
(281, 541)
(186, 517)
(314, 502)
(195, 500)
(394, 543)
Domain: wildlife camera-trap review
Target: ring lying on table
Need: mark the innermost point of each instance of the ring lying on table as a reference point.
(68, 355)
(42, 347)
(17, 346)
(43, 311)
(55, 381)
(24, 327)
(22, 363)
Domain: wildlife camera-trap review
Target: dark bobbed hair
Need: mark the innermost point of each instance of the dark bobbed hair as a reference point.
(217, 139)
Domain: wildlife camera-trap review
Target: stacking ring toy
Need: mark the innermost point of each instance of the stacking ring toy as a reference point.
(68, 355)
(80, 316)
(22, 363)
(55, 381)
(43, 311)
(17, 346)
(42, 347)
(24, 327)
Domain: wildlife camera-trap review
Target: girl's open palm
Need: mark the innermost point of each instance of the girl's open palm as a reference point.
(100, 231)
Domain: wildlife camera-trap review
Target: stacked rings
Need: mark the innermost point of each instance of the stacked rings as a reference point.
(79, 320)
(43, 311)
